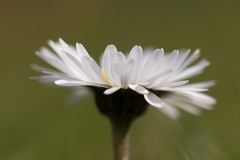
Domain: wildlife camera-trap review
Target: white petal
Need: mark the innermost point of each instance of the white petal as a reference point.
(191, 59)
(195, 87)
(111, 90)
(151, 65)
(52, 59)
(169, 85)
(207, 84)
(77, 67)
(185, 106)
(77, 95)
(136, 56)
(121, 57)
(135, 53)
(81, 50)
(193, 70)
(170, 111)
(182, 57)
(172, 58)
(200, 97)
(184, 89)
(156, 78)
(71, 65)
(182, 97)
(73, 83)
(139, 89)
(64, 44)
(154, 100)
(49, 75)
(125, 72)
(116, 73)
(190, 109)
(67, 48)
(56, 47)
(69, 83)
(109, 56)
(49, 78)
(92, 68)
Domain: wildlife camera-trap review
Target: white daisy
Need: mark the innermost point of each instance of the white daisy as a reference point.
(162, 78)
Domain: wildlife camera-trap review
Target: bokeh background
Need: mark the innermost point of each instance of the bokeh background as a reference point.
(36, 123)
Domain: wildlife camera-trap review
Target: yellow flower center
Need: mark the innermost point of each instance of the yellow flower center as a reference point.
(105, 77)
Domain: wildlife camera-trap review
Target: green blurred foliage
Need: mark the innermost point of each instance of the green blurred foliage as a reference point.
(35, 123)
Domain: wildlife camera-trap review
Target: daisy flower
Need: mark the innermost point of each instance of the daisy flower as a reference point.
(158, 78)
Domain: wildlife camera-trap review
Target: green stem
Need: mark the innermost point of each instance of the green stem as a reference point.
(120, 133)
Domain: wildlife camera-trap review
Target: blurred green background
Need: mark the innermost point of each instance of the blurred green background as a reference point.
(35, 123)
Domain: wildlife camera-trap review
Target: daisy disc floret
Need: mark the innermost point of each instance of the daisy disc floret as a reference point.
(160, 78)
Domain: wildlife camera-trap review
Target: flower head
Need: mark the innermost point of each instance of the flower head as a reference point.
(161, 78)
